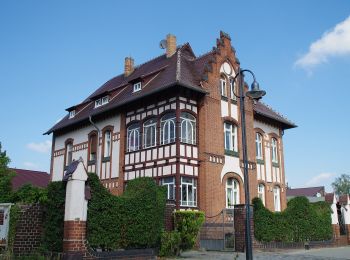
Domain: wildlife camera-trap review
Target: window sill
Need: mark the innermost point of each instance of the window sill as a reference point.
(232, 153)
(275, 164)
(260, 161)
(106, 159)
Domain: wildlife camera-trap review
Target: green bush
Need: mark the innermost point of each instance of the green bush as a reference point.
(15, 213)
(132, 220)
(188, 223)
(170, 243)
(301, 221)
(29, 194)
(54, 217)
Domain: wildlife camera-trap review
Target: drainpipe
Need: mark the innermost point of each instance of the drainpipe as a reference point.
(98, 145)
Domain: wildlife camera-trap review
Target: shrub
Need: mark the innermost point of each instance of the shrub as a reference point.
(15, 213)
(188, 223)
(170, 243)
(29, 194)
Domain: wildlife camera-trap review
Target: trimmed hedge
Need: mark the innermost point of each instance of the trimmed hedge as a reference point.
(132, 220)
(300, 222)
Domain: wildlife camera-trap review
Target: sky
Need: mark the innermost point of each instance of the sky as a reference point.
(53, 54)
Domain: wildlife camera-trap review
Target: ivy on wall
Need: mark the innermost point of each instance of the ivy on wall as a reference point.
(300, 222)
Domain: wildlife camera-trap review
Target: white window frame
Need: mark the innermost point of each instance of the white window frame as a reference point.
(137, 86)
(261, 192)
(71, 114)
(133, 134)
(167, 125)
(69, 153)
(259, 146)
(169, 182)
(191, 199)
(231, 131)
(150, 126)
(232, 192)
(105, 100)
(107, 143)
(188, 128)
(274, 143)
(232, 89)
(223, 88)
(277, 198)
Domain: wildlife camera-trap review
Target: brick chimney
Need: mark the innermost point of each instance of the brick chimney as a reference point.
(171, 45)
(128, 66)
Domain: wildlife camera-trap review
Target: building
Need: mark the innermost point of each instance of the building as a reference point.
(35, 178)
(313, 194)
(176, 118)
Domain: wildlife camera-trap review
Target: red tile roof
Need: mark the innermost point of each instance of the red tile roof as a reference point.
(183, 69)
(36, 178)
(308, 192)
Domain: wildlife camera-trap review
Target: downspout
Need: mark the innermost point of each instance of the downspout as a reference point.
(98, 144)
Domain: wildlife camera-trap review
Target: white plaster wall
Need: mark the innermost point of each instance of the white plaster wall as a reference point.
(224, 108)
(80, 136)
(231, 165)
(234, 111)
(266, 128)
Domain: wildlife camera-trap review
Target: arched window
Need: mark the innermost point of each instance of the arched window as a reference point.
(277, 198)
(107, 139)
(232, 192)
(233, 89)
(258, 146)
(167, 125)
(188, 128)
(274, 150)
(261, 192)
(92, 147)
(149, 133)
(133, 142)
(230, 138)
(223, 89)
(69, 153)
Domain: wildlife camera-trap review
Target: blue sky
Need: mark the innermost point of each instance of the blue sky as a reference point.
(55, 53)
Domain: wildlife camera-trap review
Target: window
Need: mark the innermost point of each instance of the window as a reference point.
(232, 192)
(105, 100)
(261, 192)
(188, 192)
(92, 147)
(274, 150)
(169, 182)
(149, 133)
(168, 128)
(71, 114)
(101, 101)
(230, 137)
(133, 143)
(107, 144)
(223, 86)
(69, 153)
(277, 198)
(137, 86)
(232, 89)
(258, 146)
(188, 128)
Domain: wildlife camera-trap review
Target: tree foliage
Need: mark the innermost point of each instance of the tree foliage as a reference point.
(6, 176)
(341, 185)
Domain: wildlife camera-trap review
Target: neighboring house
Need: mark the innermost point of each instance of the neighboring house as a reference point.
(176, 118)
(313, 194)
(35, 178)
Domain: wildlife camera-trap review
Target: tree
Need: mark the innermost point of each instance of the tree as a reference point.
(6, 176)
(341, 185)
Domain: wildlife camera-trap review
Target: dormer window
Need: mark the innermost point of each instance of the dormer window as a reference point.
(137, 86)
(71, 114)
(101, 101)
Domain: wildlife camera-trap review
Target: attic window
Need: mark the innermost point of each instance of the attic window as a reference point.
(101, 101)
(137, 86)
(71, 114)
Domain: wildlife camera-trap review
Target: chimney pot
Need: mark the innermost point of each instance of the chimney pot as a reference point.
(128, 66)
(171, 45)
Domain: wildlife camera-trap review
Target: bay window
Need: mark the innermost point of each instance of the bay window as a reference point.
(149, 133)
(188, 128)
(133, 137)
(188, 192)
(167, 124)
(169, 182)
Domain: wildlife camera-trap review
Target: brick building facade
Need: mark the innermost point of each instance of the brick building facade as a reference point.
(176, 118)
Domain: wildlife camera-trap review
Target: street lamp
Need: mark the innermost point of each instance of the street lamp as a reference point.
(255, 93)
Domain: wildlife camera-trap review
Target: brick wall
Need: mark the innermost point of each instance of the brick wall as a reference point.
(28, 230)
(169, 215)
(239, 217)
(2, 217)
(74, 236)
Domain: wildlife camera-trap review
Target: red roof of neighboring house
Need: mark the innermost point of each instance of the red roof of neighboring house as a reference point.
(307, 192)
(36, 178)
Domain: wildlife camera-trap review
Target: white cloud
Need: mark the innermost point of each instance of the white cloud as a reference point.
(323, 179)
(333, 43)
(30, 166)
(43, 147)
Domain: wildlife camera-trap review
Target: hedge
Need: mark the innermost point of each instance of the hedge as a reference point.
(300, 222)
(132, 220)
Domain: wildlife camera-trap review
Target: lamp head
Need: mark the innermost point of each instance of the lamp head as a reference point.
(255, 92)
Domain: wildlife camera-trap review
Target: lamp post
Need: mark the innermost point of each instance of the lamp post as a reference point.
(255, 93)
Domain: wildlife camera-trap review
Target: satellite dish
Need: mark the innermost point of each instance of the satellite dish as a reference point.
(162, 44)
